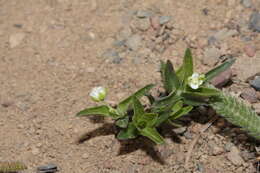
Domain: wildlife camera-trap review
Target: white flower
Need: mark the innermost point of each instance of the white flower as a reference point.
(196, 80)
(98, 93)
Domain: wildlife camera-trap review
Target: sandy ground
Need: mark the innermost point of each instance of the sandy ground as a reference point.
(54, 51)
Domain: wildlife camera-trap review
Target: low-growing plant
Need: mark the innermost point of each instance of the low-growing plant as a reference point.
(184, 90)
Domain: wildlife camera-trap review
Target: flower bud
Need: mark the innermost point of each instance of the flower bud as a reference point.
(196, 80)
(98, 93)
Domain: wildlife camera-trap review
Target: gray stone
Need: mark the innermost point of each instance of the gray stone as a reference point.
(254, 22)
(234, 156)
(164, 19)
(222, 79)
(180, 130)
(249, 94)
(143, 14)
(50, 168)
(211, 56)
(256, 83)
(134, 42)
(142, 24)
(246, 3)
(225, 33)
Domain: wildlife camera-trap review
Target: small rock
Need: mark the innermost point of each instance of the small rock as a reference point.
(228, 146)
(225, 33)
(155, 22)
(211, 56)
(215, 149)
(256, 83)
(247, 155)
(16, 39)
(143, 14)
(85, 155)
(254, 22)
(164, 19)
(188, 135)
(222, 79)
(180, 130)
(142, 24)
(117, 60)
(234, 156)
(50, 168)
(249, 94)
(256, 106)
(250, 50)
(200, 167)
(134, 42)
(246, 3)
(124, 33)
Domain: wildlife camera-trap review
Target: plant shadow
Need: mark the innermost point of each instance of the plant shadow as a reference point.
(132, 145)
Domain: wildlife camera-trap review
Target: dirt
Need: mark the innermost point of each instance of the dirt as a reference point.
(54, 51)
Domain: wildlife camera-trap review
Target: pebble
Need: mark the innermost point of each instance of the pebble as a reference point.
(215, 149)
(143, 14)
(254, 22)
(180, 130)
(247, 155)
(16, 39)
(235, 157)
(256, 83)
(50, 168)
(134, 42)
(250, 50)
(155, 22)
(211, 56)
(164, 19)
(246, 3)
(188, 135)
(85, 155)
(256, 106)
(249, 94)
(222, 79)
(142, 24)
(225, 33)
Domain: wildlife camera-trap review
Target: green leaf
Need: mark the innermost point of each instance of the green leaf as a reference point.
(138, 110)
(219, 69)
(152, 134)
(203, 92)
(123, 123)
(186, 69)
(149, 118)
(123, 105)
(193, 101)
(162, 69)
(129, 133)
(183, 111)
(171, 81)
(176, 107)
(164, 116)
(166, 102)
(99, 110)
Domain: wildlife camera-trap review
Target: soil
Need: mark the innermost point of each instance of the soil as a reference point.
(54, 51)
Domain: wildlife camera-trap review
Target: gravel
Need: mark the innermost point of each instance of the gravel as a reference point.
(164, 19)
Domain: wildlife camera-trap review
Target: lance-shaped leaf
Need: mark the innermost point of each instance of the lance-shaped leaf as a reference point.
(166, 102)
(186, 69)
(152, 134)
(124, 105)
(99, 110)
(138, 110)
(171, 81)
(202, 92)
(183, 111)
(219, 69)
(129, 133)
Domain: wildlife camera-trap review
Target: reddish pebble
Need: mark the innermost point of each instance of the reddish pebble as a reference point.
(155, 22)
(250, 50)
(222, 79)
